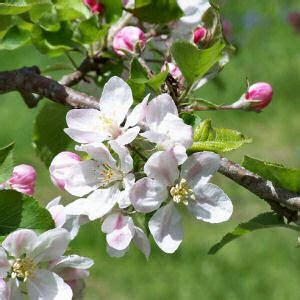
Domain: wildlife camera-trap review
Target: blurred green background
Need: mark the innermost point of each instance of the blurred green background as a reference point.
(263, 265)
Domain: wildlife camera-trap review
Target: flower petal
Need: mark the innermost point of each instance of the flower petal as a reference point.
(116, 253)
(128, 136)
(72, 261)
(119, 231)
(4, 290)
(142, 242)
(179, 153)
(47, 285)
(124, 155)
(50, 245)
(4, 264)
(124, 199)
(96, 205)
(193, 10)
(19, 242)
(166, 228)
(211, 204)
(200, 167)
(158, 108)
(147, 195)
(116, 99)
(58, 214)
(162, 166)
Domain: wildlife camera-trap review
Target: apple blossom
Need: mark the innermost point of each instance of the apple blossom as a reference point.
(23, 179)
(60, 166)
(94, 5)
(166, 129)
(199, 34)
(127, 39)
(91, 125)
(189, 187)
(174, 71)
(25, 259)
(193, 10)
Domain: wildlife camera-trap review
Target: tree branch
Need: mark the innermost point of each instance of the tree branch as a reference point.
(28, 81)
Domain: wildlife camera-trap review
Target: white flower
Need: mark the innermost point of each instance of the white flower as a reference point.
(91, 125)
(190, 187)
(25, 258)
(193, 10)
(166, 129)
(101, 171)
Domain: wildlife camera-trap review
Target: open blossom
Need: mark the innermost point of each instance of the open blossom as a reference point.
(60, 167)
(94, 6)
(190, 186)
(25, 264)
(92, 125)
(165, 128)
(127, 39)
(23, 179)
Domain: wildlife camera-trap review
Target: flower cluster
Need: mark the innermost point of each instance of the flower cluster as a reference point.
(120, 182)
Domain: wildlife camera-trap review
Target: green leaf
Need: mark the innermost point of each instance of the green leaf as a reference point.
(157, 11)
(113, 9)
(262, 221)
(48, 136)
(194, 63)
(156, 81)
(207, 138)
(6, 162)
(71, 10)
(14, 8)
(280, 176)
(15, 38)
(21, 211)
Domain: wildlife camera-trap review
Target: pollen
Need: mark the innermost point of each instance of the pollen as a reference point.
(181, 192)
(109, 175)
(23, 268)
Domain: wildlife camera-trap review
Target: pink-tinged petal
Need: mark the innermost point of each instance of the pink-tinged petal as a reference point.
(138, 114)
(96, 205)
(19, 242)
(176, 130)
(4, 290)
(4, 265)
(211, 204)
(116, 253)
(58, 214)
(23, 179)
(116, 99)
(83, 178)
(45, 285)
(72, 261)
(166, 228)
(119, 231)
(200, 167)
(142, 242)
(158, 108)
(147, 195)
(50, 245)
(128, 136)
(126, 160)
(98, 152)
(179, 153)
(162, 166)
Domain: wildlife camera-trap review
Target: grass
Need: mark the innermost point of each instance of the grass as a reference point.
(264, 265)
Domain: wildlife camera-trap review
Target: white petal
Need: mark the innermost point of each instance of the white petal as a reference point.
(19, 242)
(13, 290)
(4, 264)
(157, 138)
(200, 167)
(158, 108)
(162, 166)
(193, 10)
(179, 153)
(128, 136)
(166, 228)
(138, 114)
(54, 202)
(147, 195)
(124, 156)
(119, 231)
(142, 242)
(83, 178)
(211, 204)
(45, 285)
(58, 214)
(116, 253)
(72, 261)
(116, 99)
(5, 290)
(50, 245)
(81, 136)
(96, 205)
(99, 152)
(124, 199)
(73, 223)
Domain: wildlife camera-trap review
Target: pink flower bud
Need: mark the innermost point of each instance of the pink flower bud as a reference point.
(262, 92)
(127, 39)
(174, 71)
(94, 6)
(23, 179)
(60, 166)
(199, 34)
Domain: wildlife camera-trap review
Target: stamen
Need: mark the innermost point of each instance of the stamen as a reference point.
(23, 268)
(181, 192)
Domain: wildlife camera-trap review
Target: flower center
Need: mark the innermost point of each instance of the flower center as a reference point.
(23, 268)
(109, 175)
(109, 125)
(181, 192)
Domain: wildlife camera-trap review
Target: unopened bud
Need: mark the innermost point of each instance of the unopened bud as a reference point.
(262, 92)
(127, 39)
(174, 71)
(199, 35)
(60, 166)
(94, 6)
